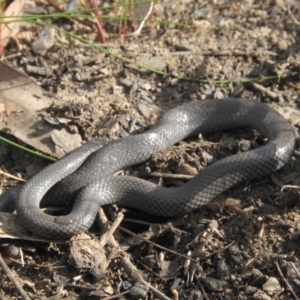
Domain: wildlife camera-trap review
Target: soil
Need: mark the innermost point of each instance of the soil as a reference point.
(245, 244)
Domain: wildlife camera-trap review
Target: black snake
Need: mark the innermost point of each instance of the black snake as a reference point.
(87, 171)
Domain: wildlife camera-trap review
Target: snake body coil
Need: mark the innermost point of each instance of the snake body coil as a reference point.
(87, 171)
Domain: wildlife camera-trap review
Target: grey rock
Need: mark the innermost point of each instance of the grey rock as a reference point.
(214, 285)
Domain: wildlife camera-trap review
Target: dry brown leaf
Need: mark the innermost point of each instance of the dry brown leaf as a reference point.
(22, 102)
(10, 29)
(10, 228)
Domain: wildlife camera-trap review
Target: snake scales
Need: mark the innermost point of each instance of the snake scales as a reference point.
(87, 171)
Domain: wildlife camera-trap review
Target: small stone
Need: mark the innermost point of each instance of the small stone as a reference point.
(139, 291)
(212, 284)
(245, 145)
(126, 82)
(218, 94)
(117, 90)
(258, 281)
(146, 99)
(208, 91)
(168, 268)
(146, 86)
(271, 286)
(150, 261)
(260, 295)
(196, 294)
(143, 109)
(250, 289)
(12, 251)
(154, 62)
(282, 45)
(44, 41)
(83, 89)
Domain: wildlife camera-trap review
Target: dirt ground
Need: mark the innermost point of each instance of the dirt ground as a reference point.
(243, 246)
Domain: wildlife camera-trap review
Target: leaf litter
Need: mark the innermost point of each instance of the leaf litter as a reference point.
(246, 246)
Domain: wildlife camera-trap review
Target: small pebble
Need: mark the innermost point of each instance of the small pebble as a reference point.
(139, 291)
(146, 86)
(271, 286)
(212, 284)
(143, 109)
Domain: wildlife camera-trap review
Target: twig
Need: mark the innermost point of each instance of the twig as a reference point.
(117, 296)
(295, 269)
(102, 221)
(151, 224)
(238, 53)
(285, 281)
(104, 226)
(138, 31)
(168, 175)
(134, 273)
(152, 272)
(202, 290)
(21, 257)
(98, 22)
(106, 237)
(175, 294)
(156, 245)
(13, 279)
(293, 85)
(293, 18)
(137, 221)
(12, 176)
(261, 231)
(247, 263)
(267, 92)
(224, 53)
(220, 250)
(289, 186)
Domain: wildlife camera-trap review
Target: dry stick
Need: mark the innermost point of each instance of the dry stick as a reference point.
(292, 16)
(22, 257)
(288, 186)
(105, 238)
(203, 290)
(104, 226)
(156, 245)
(224, 53)
(294, 86)
(12, 176)
(138, 221)
(117, 296)
(175, 294)
(238, 53)
(153, 273)
(168, 175)
(138, 31)
(267, 92)
(12, 56)
(151, 224)
(13, 279)
(295, 269)
(98, 22)
(102, 221)
(130, 267)
(35, 265)
(285, 281)
(221, 250)
(133, 272)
